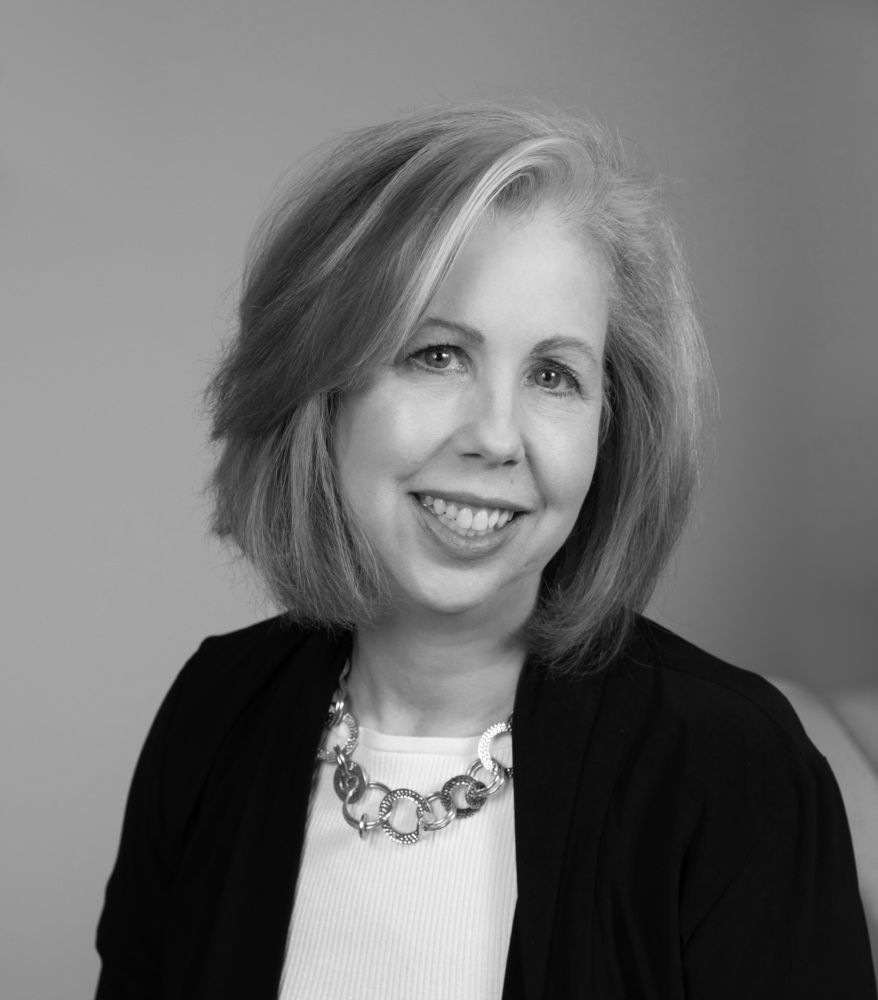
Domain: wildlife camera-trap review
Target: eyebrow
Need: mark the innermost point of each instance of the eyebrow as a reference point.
(547, 346)
(574, 344)
(468, 332)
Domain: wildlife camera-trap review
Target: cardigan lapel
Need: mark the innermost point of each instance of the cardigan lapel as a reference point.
(569, 735)
(256, 859)
(285, 819)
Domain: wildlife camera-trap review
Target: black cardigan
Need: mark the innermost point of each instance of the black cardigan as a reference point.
(677, 835)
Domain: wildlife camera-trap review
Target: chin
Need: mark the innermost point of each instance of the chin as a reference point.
(492, 602)
(448, 606)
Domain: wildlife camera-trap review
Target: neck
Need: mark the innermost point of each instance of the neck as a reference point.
(416, 678)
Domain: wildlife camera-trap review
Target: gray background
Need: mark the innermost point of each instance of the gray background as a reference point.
(139, 143)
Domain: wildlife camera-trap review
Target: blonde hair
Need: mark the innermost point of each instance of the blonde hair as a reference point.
(339, 275)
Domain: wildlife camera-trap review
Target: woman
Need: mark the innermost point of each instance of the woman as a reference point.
(460, 428)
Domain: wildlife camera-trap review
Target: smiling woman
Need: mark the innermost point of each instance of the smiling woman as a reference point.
(342, 275)
(460, 432)
(495, 418)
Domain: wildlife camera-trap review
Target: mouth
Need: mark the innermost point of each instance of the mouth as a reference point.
(466, 519)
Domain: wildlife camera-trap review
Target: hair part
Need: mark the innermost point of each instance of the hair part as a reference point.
(340, 274)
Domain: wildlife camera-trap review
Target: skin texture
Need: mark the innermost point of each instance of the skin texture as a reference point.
(496, 399)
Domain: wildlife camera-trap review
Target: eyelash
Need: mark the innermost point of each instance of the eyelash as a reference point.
(548, 364)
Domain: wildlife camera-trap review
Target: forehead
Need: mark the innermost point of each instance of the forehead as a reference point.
(528, 279)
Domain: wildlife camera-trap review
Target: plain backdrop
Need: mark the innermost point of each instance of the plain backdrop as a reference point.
(139, 143)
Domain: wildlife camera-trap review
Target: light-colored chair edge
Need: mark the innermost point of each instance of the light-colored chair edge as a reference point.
(844, 728)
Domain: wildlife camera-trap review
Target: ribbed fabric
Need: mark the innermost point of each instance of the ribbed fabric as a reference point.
(377, 919)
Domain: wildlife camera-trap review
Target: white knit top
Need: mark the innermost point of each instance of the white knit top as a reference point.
(377, 919)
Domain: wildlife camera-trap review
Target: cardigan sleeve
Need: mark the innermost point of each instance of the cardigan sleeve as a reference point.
(790, 923)
(130, 936)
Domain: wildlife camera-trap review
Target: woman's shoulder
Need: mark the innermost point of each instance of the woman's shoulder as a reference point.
(230, 669)
(720, 740)
(277, 634)
(234, 688)
(242, 672)
(669, 721)
(714, 697)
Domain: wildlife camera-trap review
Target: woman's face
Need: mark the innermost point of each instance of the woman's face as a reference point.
(492, 411)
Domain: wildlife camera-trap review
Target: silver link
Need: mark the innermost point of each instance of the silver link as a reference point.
(467, 781)
(477, 794)
(386, 808)
(489, 763)
(450, 812)
(337, 708)
(349, 778)
(364, 825)
(328, 756)
(499, 777)
(336, 711)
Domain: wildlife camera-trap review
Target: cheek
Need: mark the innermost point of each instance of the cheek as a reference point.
(568, 466)
(379, 434)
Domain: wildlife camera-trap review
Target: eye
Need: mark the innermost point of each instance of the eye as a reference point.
(438, 358)
(548, 378)
(555, 378)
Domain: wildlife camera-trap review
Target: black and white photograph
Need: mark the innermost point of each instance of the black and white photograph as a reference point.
(440, 478)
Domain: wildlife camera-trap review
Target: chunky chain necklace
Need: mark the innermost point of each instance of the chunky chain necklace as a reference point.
(352, 784)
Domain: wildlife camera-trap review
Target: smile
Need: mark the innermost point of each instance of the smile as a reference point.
(465, 519)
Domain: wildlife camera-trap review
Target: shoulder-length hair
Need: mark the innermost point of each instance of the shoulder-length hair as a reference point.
(340, 273)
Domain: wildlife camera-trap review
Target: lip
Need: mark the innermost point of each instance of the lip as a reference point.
(472, 500)
(461, 546)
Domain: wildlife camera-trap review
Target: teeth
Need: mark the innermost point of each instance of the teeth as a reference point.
(480, 521)
(467, 521)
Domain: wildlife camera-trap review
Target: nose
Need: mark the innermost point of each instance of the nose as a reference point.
(490, 427)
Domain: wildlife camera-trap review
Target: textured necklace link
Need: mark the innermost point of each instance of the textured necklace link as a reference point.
(434, 811)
